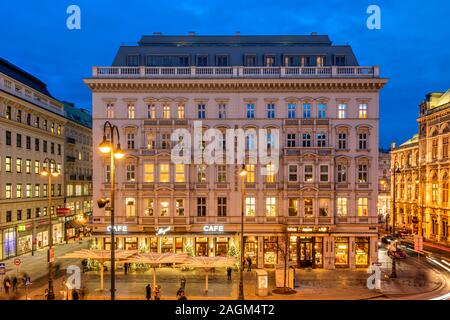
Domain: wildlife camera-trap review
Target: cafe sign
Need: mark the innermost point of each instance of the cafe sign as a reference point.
(213, 228)
(118, 228)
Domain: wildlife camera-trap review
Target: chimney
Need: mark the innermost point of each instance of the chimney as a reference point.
(157, 33)
(191, 33)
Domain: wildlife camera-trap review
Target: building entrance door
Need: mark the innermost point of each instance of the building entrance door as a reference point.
(305, 252)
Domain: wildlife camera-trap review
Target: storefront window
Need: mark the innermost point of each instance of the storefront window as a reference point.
(24, 243)
(166, 244)
(270, 250)
(293, 256)
(131, 243)
(341, 252)
(164, 208)
(9, 243)
(201, 246)
(251, 248)
(221, 246)
(153, 244)
(178, 245)
(362, 252)
(318, 252)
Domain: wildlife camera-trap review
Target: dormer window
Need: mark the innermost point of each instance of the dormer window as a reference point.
(222, 60)
(339, 60)
(132, 60)
(202, 60)
(250, 60)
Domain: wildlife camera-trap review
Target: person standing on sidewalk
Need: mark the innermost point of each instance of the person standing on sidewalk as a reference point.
(229, 273)
(148, 292)
(125, 268)
(157, 292)
(183, 283)
(7, 284)
(249, 260)
(14, 284)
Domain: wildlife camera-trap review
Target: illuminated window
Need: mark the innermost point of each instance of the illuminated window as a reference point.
(19, 165)
(130, 207)
(131, 173)
(362, 110)
(179, 207)
(270, 173)
(180, 111)
(250, 206)
(250, 176)
(164, 172)
(148, 207)
(308, 207)
(164, 208)
(342, 110)
(151, 111)
(362, 173)
(308, 173)
(130, 111)
(19, 190)
(28, 190)
(363, 207)
(341, 173)
(166, 112)
(8, 191)
(271, 204)
(8, 164)
(293, 207)
(201, 173)
(149, 170)
(323, 207)
(151, 141)
(179, 172)
(221, 173)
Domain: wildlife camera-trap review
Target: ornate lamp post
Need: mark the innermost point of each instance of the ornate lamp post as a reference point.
(242, 173)
(107, 147)
(50, 170)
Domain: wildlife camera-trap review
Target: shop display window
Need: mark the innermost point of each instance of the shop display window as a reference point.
(362, 252)
(341, 252)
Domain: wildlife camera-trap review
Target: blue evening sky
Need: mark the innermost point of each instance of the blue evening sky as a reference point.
(412, 47)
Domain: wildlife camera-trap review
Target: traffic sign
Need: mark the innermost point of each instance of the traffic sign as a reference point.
(17, 262)
(51, 255)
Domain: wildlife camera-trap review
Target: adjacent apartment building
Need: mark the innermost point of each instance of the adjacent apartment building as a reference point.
(325, 106)
(422, 182)
(31, 130)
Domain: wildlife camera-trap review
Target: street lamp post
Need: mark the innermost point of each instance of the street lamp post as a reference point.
(107, 146)
(48, 172)
(242, 173)
(394, 213)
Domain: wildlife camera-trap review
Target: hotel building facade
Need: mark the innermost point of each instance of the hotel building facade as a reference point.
(31, 130)
(422, 184)
(325, 106)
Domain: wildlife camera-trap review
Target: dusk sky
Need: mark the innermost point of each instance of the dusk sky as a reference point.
(412, 47)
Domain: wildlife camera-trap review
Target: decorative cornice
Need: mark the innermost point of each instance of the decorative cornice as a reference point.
(232, 85)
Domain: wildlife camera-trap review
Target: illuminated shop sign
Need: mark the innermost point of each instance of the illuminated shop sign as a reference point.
(117, 228)
(292, 229)
(307, 229)
(213, 228)
(162, 231)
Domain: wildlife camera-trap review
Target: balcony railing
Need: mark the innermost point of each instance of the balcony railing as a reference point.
(236, 72)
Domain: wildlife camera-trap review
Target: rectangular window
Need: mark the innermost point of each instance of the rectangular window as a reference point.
(36, 144)
(293, 173)
(148, 207)
(308, 173)
(149, 169)
(323, 207)
(250, 210)
(250, 176)
(8, 112)
(166, 112)
(321, 140)
(130, 111)
(222, 60)
(341, 173)
(37, 167)
(19, 165)
(221, 173)
(306, 140)
(323, 173)
(110, 110)
(271, 207)
(28, 142)
(362, 173)
(291, 140)
(270, 173)
(180, 111)
(362, 143)
(164, 172)
(151, 141)
(28, 190)
(19, 190)
(270, 110)
(19, 215)
(363, 207)
(342, 110)
(222, 107)
(201, 109)
(164, 207)
(19, 140)
(44, 146)
(165, 140)
(131, 173)
(130, 140)
(201, 173)
(250, 107)
(201, 207)
(306, 110)
(293, 207)
(291, 110)
(202, 60)
(130, 207)
(8, 191)
(19, 116)
(37, 190)
(222, 206)
(363, 111)
(8, 138)
(342, 141)
(28, 166)
(179, 207)
(151, 111)
(179, 172)
(308, 207)
(8, 164)
(321, 111)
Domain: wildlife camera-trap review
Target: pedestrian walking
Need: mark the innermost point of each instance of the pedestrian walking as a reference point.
(148, 292)
(7, 284)
(157, 292)
(14, 284)
(179, 292)
(183, 283)
(182, 296)
(249, 261)
(229, 273)
(125, 267)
